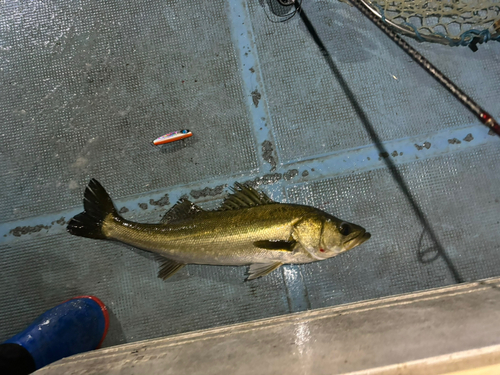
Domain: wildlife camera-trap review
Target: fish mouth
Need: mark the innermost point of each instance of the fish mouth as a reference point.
(356, 241)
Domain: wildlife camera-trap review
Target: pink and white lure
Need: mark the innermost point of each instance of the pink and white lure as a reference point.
(172, 137)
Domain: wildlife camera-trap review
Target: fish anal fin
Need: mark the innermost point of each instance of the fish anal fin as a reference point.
(243, 196)
(276, 245)
(168, 268)
(184, 209)
(257, 270)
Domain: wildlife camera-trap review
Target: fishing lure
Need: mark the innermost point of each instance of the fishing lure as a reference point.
(172, 137)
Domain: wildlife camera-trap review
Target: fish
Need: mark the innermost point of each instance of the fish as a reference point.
(248, 229)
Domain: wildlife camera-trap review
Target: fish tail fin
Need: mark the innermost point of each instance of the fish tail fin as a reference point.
(97, 206)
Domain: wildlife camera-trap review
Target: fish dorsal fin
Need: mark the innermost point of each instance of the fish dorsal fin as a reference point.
(244, 197)
(184, 209)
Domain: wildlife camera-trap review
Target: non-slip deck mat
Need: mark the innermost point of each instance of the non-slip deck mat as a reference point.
(86, 86)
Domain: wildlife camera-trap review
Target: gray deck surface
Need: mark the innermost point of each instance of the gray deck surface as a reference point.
(87, 85)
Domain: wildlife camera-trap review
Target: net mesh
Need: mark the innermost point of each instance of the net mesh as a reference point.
(455, 22)
(452, 22)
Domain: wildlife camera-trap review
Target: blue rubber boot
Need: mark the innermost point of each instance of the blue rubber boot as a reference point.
(75, 326)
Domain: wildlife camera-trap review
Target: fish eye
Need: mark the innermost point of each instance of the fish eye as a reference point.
(185, 131)
(345, 229)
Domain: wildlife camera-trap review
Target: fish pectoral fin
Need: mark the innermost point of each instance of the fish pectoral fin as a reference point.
(276, 245)
(257, 270)
(168, 268)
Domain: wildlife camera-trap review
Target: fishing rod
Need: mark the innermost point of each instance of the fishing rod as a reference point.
(483, 116)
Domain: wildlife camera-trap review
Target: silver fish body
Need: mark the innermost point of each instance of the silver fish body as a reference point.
(248, 229)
